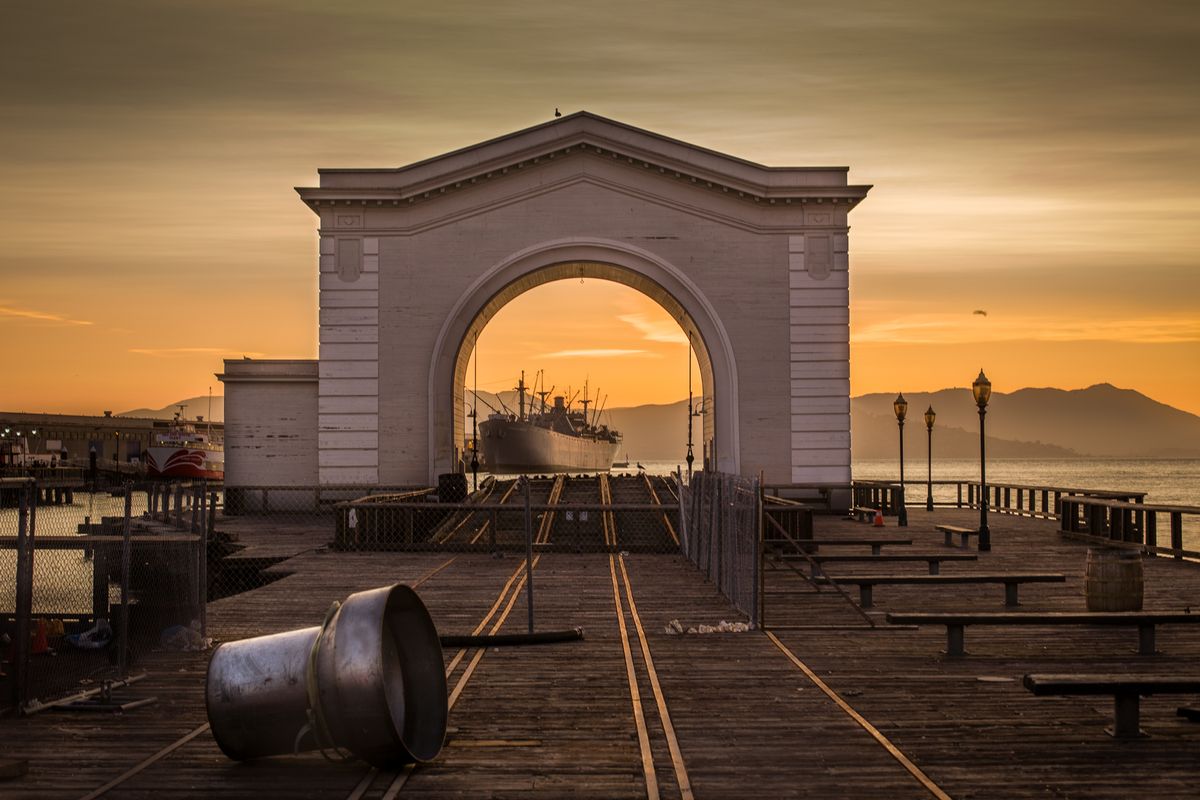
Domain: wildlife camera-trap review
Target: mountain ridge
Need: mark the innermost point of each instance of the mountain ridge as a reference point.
(1101, 420)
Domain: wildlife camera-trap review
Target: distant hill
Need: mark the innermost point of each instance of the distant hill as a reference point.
(1100, 420)
(195, 406)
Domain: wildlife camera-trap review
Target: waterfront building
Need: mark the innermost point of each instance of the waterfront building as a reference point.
(413, 262)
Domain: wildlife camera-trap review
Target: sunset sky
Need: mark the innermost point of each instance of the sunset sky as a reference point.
(1039, 161)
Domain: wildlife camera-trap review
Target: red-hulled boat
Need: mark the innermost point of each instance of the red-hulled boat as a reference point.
(184, 452)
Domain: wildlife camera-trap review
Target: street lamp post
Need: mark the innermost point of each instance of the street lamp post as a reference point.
(982, 390)
(691, 412)
(930, 416)
(475, 421)
(900, 406)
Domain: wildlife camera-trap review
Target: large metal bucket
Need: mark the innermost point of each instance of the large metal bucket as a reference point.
(371, 680)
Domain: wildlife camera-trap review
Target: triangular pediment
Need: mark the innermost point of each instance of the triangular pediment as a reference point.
(579, 134)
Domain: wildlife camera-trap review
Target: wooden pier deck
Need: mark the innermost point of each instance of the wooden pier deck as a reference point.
(824, 706)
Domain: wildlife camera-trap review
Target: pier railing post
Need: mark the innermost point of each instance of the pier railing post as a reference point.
(202, 556)
(529, 554)
(212, 514)
(126, 565)
(195, 524)
(26, 513)
(1177, 533)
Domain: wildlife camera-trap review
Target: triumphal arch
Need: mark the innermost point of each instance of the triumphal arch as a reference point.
(414, 261)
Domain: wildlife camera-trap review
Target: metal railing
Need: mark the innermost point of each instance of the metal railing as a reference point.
(1136, 524)
(248, 500)
(1003, 498)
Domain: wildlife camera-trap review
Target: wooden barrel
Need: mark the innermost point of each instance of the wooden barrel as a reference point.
(1113, 580)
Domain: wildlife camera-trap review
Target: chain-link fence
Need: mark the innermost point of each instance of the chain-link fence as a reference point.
(563, 513)
(93, 581)
(721, 517)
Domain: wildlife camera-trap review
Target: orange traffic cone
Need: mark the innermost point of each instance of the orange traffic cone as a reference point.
(878, 518)
(40, 643)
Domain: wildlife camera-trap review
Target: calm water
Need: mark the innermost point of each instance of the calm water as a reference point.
(62, 579)
(1169, 481)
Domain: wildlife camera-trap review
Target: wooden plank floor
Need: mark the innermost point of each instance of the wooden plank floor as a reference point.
(558, 720)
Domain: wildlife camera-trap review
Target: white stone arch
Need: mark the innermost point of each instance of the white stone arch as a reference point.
(605, 259)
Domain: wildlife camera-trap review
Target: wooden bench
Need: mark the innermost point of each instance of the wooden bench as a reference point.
(867, 582)
(933, 559)
(862, 513)
(955, 623)
(874, 544)
(964, 534)
(1125, 689)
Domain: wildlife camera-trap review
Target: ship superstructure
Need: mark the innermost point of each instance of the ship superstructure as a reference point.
(185, 452)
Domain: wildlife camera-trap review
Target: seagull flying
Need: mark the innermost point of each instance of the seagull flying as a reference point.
(980, 312)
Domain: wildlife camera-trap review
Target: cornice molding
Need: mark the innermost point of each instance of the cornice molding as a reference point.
(645, 151)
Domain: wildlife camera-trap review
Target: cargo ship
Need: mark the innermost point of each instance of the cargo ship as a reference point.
(542, 438)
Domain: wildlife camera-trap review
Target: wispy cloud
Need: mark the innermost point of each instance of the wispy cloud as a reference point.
(175, 352)
(954, 328)
(599, 353)
(40, 316)
(656, 330)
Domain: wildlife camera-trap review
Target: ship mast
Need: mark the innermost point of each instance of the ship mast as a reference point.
(596, 413)
(521, 397)
(584, 402)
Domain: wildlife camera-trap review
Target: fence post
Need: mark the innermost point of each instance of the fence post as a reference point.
(683, 516)
(719, 534)
(529, 554)
(126, 561)
(1177, 533)
(27, 502)
(202, 579)
(212, 514)
(195, 510)
(757, 576)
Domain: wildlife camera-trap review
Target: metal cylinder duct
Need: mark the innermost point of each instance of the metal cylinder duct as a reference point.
(370, 681)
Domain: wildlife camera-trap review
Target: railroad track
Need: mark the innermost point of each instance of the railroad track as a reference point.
(546, 525)
(654, 496)
(460, 521)
(377, 784)
(608, 519)
(645, 748)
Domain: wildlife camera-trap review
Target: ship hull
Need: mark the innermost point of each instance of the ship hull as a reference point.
(183, 462)
(512, 446)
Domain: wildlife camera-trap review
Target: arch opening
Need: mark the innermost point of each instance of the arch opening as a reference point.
(716, 440)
